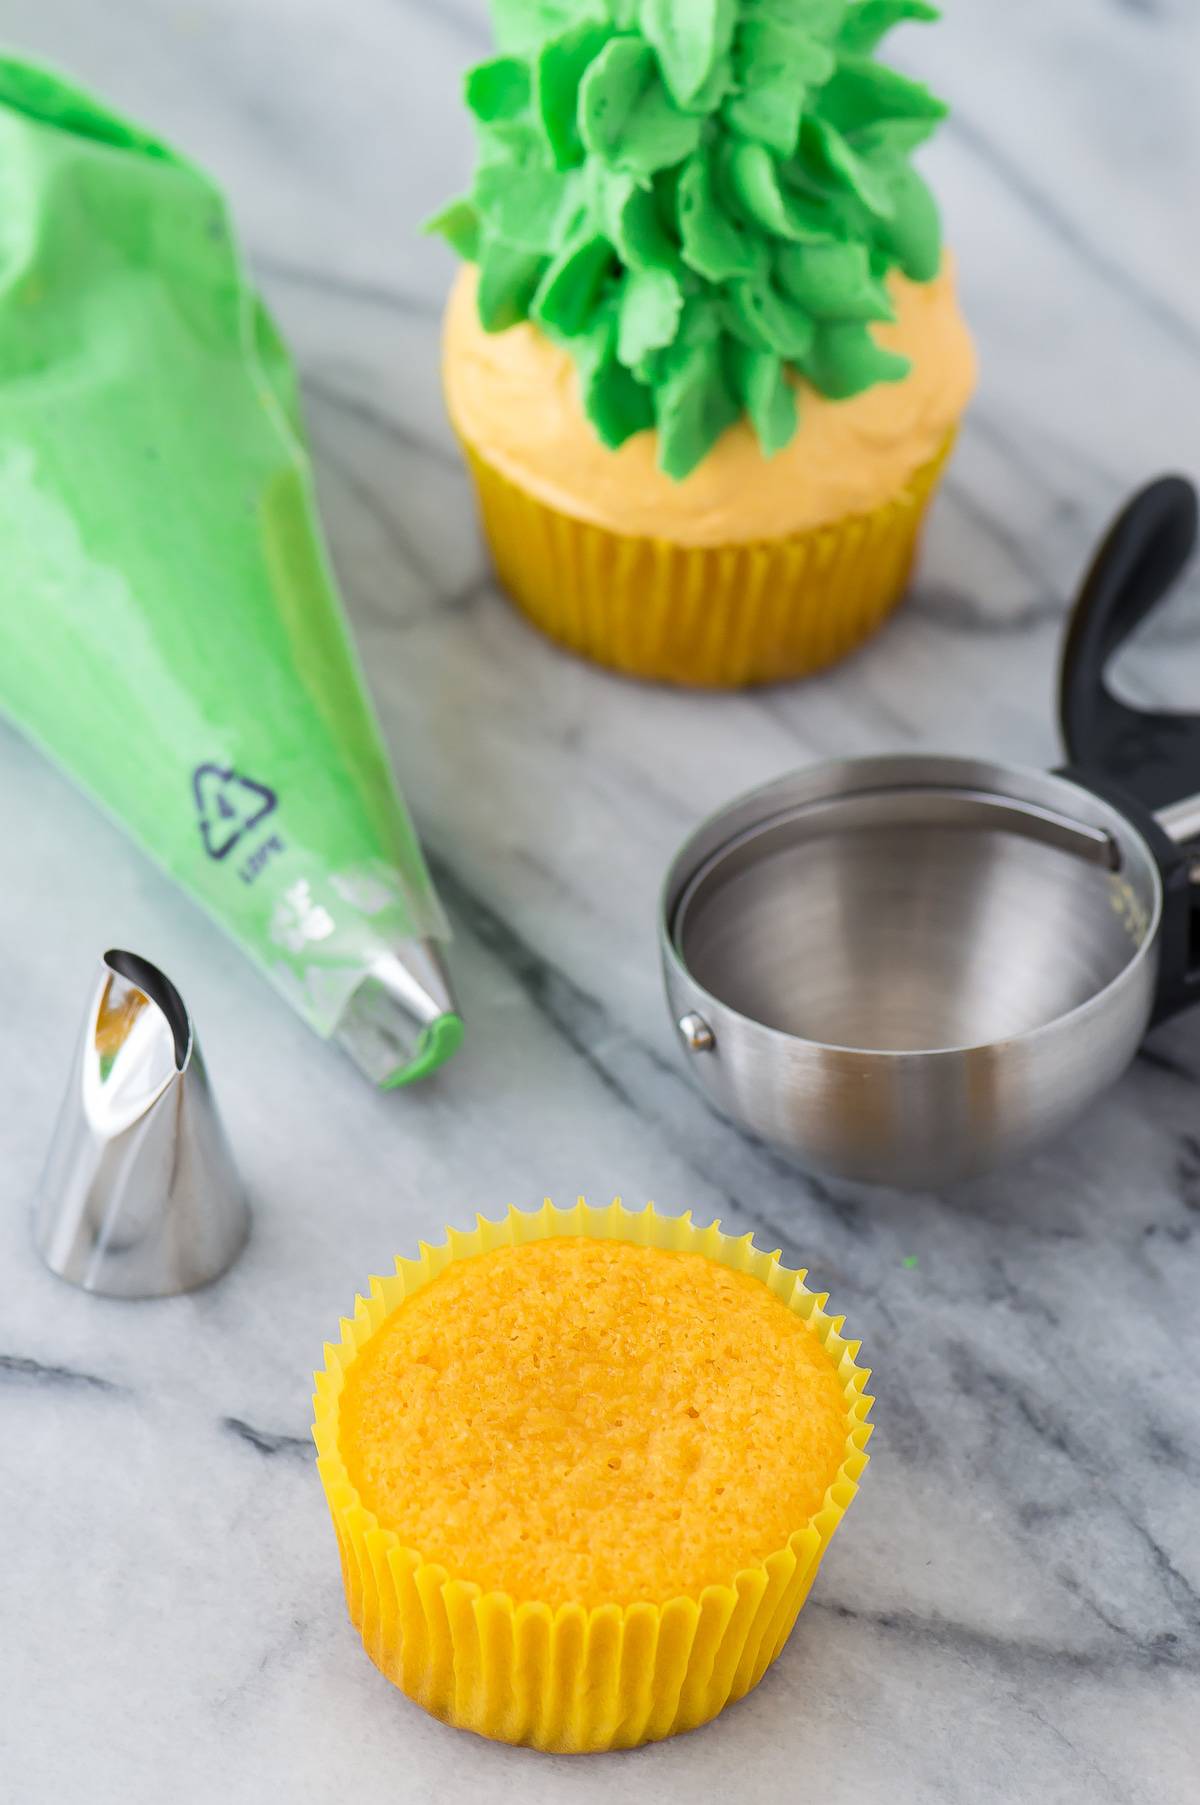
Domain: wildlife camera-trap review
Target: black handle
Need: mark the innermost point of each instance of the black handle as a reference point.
(1140, 761)
(1153, 757)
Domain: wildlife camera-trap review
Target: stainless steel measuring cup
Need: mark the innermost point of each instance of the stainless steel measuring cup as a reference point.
(911, 969)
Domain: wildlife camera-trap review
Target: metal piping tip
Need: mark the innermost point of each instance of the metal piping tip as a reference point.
(140, 1196)
(401, 1022)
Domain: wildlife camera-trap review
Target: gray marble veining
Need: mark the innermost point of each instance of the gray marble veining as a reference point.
(1012, 1609)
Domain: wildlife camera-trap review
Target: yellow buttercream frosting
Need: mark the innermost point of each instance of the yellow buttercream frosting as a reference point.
(514, 397)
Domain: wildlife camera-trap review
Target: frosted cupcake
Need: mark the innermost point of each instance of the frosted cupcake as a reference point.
(583, 1466)
(707, 362)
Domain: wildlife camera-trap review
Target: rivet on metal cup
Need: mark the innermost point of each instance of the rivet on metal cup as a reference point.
(696, 1033)
(139, 1196)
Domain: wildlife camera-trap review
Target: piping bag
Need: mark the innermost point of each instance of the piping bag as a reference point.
(170, 630)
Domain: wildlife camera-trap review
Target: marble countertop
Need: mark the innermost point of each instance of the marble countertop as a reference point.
(1013, 1607)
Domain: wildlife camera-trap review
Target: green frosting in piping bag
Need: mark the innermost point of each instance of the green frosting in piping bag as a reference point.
(701, 200)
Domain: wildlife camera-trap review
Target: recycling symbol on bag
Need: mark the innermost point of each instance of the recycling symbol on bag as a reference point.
(228, 805)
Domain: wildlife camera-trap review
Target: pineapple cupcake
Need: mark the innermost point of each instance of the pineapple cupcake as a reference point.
(705, 359)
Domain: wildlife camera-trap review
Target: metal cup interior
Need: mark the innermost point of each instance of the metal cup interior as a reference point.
(894, 922)
(938, 909)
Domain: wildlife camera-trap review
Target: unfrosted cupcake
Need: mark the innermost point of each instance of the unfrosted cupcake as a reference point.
(582, 1466)
(708, 363)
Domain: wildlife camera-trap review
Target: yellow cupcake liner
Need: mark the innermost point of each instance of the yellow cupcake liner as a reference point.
(575, 1680)
(710, 616)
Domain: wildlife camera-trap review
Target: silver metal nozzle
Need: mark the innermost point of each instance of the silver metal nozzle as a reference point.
(139, 1196)
(386, 1024)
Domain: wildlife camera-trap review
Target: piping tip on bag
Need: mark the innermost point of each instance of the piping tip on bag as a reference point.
(413, 991)
(170, 629)
(139, 1196)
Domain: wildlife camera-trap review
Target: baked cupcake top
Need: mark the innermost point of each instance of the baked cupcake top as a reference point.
(701, 201)
(591, 1421)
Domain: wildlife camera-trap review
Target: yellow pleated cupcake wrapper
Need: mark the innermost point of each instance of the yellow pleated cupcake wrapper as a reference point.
(716, 616)
(574, 1679)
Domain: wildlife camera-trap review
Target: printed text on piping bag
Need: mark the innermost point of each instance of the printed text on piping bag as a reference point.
(170, 632)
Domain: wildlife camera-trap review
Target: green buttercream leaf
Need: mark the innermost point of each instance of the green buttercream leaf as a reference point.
(820, 211)
(517, 144)
(763, 317)
(693, 406)
(558, 71)
(609, 192)
(521, 25)
(774, 66)
(616, 403)
(870, 21)
(626, 116)
(843, 165)
(692, 42)
(845, 360)
(628, 212)
(499, 89)
(715, 245)
(770, 113)
(648, 310)
(891, 140)
(458, 224)
(532, 212)
(573, 285)
(833, 282)
(913, 234)
(708, 98)
(754, 184)
(861, 94)
(760, 382)
(702, 200)
(698, 325)
(508, 279)
(815, 18)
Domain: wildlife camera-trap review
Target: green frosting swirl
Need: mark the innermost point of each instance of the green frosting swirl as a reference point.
(699, 199)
